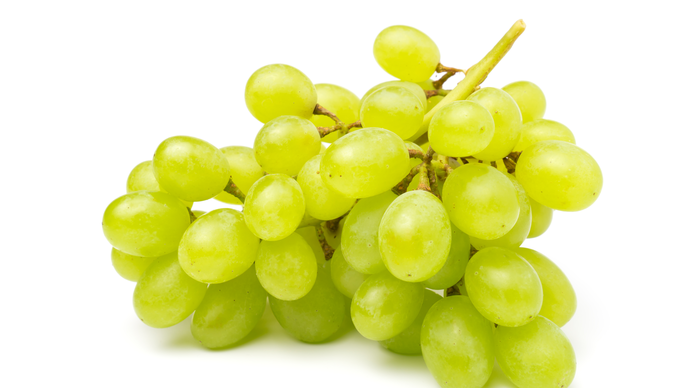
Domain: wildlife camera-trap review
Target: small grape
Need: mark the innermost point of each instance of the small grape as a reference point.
(541, 218)
(130, 267)
(141, 178)
(529, 98)
(286, 268)
(406, 53)
(274, 207)
(279, 90)
(285, 143)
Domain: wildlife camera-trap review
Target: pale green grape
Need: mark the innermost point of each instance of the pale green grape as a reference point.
(279, 90)
(165, 295)
(415, 236)
(365, 163)
(286, 268)
(540, 130)
(285, 143)
(218, 247)
(314, 317)
(457, 344)
(454, 268)
(408, 341)
(541, 218)
(309, 235)
(244, 171)
(481, 201)
(229, 311)
(462, 128)
(274, 207)
(507, 122)
(529, 98)
(416, 89)
(535, 355)
(360, 241)
(503, 287)
(141, 178)
(427, 84)
(406, 53)
(384, 306)
(130, 267)
(145, 223)
(342, 102)
(560, 301)
(431, 102)
(559, 175)
(198, 213)
(394, 108)
(321, 202)
(344, 277)
(190, 168)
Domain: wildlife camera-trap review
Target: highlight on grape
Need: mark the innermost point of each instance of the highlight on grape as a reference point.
(422, 191)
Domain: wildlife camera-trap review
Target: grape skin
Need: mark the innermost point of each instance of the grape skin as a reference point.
(394, 108)
(541, 218)
(274, 207)
(285, 143)
(408, 342)
(129, 267)
(279, 90)
(416, 89)
(454, 268)
(321, 202)
(507, 122)
(344, 277)
(529, 97)
(462, 128)
(540, 130)
(286, 268)
(406, 53)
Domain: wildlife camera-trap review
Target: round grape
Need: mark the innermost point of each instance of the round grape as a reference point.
(279, 90)
(406, 53)
(462, 128)
(529, 98)
(285, 143)
(274, 207)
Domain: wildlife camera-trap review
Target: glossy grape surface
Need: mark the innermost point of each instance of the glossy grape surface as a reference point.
(279, 90)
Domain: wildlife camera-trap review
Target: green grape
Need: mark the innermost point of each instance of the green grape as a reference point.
(431, 102)
(285, 143)
(145, 223)
(394, 108)
(503, 287)
(560, 301)
(541, 218)
(529, 98)
(308, 220)
(416, 89)
(535, 355)
(279, 90)
(344, 277)
(408, 341)
(365, 163)
(507, 122)
(406, 53)
(244, 171)
(198, 213)
(130, 267)
(286, 268)
(462, 128)
(314, 317)
(190, 168)
(274, 207)
(540, 130)
(218, 247)
(481, 201)
(384, 306)
(559, 175)
(360, 241)
(518, 233)
(415, 236)
(142, 178)
(342, 102)
(333, 238)
(229, 311)
(427, 84)
(165, 295)
(321, 202)
(309, 235)
(457, 344)
(454, 268)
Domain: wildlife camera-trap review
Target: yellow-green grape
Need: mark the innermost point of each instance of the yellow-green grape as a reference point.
(427, 84)
(457, 344)
(244, 171)
(462, 128)
(406, 53)
(145, 223)
(384, 306)
(218, 247)
(130, 267)
(431, 102)
(541, 218)
(309, 235)
(279, 90)
(394, 108)
(408, 341)
(344, 277)
(285, 143)
(274, 207)
(198, 213)
(559, 175)
(518, 233)
(165, 295)
(141, 178)
(529, 98)
(229, 311)
(286, 268)
(365, 163)
(314, 317)
(507, 122)
(535, 355)
(190, 168)
(481, 201)
(415, 236)
(416, 89)
(560, 301)
(333, 238)
(540, 130)
(360, 240)
(454, 268)
(503, 287)
(321, 202)
(342, 102)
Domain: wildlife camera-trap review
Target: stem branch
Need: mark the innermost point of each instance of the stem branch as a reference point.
(232, 189)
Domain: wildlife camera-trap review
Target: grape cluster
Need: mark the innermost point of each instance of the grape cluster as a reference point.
(421, 189)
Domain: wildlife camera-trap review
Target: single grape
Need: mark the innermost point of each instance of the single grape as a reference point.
(559, 175)
(408, 342)
(507, 122)
(279, 90)
(503, 287)
(342, 102)
(454, 268)
(541, 218)
(141, 178)
(274, 207)
(244, 171)
(286, 268)
(344, 277)
(130, 267)
(394, 108)
(529, 98)
(462, 128)
(309, 235)
(406, 53)
(540, 130)
(416, 89)
(198, 213)
(321, 202)
(285, 143)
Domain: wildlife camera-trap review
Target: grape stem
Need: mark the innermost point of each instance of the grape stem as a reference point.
(339, 125)
(511, 161)
(401, 187)
(232, 189)
(431, 172)
(449, 72)
(327, 249)
(437, 92)
(332, 225)
(424, 179)
(415, 153)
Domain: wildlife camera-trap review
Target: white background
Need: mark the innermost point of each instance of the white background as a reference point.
(89, 89)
